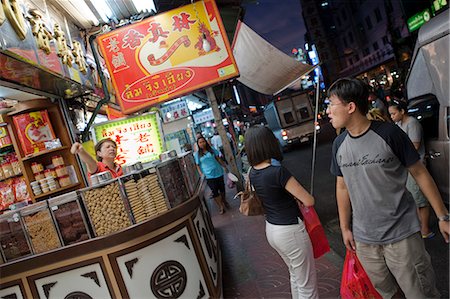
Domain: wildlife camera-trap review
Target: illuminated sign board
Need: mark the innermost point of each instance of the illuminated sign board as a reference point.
(416, 21)
(168, 55)
(174, 111)
(138, 138)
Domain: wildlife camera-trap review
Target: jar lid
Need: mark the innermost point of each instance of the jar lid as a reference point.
(34, 163)
(60, 166)
(48, 170)
(63, 177)
(39, 173)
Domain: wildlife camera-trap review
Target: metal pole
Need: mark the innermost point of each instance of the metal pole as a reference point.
(316, 109)
(221, 130)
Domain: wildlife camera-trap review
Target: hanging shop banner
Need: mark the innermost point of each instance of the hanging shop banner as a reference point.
(138, 138)
(203, 116)
(168, 55)
(174, 111)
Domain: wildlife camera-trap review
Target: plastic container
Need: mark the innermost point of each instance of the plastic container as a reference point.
(61, 171)
(37, 167)
(57, 161)
(16, 166)
(40, 227)
(7, 170)
(39, 176)
(69, 219)
(50, 173)
(106, 208)
(13, 240)
(64, 181)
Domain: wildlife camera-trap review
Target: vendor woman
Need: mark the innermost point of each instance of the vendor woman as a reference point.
(105, 151)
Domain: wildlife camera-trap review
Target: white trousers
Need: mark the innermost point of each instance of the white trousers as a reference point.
(294, 246)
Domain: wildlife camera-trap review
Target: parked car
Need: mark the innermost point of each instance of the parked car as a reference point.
(427, 87)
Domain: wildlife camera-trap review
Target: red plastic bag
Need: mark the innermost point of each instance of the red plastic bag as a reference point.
(315, 231)
(355, 283)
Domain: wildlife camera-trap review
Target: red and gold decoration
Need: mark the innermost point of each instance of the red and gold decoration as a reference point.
(168, 55)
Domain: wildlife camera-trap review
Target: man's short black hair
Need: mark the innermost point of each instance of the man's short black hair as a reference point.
(261, 145)
(351, 90)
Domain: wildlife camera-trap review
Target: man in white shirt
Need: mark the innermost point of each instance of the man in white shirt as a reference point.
(216, 142)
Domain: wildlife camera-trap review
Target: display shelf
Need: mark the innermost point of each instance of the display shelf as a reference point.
(43, 195)
(6, 146)
(11, 177)
(32, 156)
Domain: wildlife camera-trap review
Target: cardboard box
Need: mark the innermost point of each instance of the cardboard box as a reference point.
(33, 129)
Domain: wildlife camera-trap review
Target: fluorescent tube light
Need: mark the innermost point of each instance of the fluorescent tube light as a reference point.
(144, 5)
(103, 9)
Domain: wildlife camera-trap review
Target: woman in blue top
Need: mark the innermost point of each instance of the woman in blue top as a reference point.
(278, 190)
(210, 165)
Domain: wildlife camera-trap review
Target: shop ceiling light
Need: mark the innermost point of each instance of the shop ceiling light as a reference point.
(103, 9)
(144, 5)
(80, 12)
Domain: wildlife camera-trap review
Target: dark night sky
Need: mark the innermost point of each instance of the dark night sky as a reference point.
(280, 22)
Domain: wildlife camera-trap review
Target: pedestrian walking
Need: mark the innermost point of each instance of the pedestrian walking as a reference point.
(378, 216)
(411, 126)
(285, 231)
(210, 165)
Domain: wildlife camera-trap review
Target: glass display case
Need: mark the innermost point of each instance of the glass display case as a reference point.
(40, 228)
(107, 211)
(13, 240)
(69, 218)
(172, 181)
(190, 172)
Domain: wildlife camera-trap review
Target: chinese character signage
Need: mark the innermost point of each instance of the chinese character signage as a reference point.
(174, 111)
(168, 55)
(138, 138)
(203, 116)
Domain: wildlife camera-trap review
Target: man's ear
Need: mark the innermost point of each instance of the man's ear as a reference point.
(351, 107)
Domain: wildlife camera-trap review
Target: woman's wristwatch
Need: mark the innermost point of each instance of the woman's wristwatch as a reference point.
(444, 218)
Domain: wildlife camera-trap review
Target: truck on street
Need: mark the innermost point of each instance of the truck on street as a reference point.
(291, 119)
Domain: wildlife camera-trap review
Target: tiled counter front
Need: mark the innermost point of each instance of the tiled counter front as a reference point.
(175, 255)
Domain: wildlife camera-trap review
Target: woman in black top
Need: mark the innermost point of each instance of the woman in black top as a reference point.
(285, 231)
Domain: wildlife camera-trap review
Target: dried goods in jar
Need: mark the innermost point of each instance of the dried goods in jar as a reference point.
(42, 231)
(70, 223)
(106, 209)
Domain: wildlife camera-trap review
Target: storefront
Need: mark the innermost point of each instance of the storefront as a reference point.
(145, 234)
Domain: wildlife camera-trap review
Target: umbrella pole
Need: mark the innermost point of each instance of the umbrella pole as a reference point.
(313, 165)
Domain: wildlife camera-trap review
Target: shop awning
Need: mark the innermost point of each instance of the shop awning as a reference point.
(263, 67)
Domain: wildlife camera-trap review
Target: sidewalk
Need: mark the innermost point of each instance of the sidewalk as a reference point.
(251, 268)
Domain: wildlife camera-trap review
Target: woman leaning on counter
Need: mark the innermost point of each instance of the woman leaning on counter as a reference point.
(105, 152)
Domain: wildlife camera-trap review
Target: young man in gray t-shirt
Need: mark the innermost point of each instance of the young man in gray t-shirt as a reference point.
(371, 161)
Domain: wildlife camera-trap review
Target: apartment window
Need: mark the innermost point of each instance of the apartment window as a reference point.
(369, 22)
(378, 16)
(385, 40)
(375, 46)
(350, 37)
(366, 51)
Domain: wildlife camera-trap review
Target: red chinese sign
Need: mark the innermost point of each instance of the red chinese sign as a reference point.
(168, 55)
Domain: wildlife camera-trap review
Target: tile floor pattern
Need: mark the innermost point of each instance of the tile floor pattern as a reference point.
(250, 267)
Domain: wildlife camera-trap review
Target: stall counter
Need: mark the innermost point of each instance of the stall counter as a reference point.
(175, 254)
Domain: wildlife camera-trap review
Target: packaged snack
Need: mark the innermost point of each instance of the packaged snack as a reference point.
(33, 129)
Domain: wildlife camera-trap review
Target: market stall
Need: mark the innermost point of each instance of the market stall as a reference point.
(101, 235)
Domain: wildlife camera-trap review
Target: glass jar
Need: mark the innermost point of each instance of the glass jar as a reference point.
(57, 161)
(40, 227)
(61, 171)
(16, 166)
(36, 167)
(13, 241)
(64, 181)
(7, 170)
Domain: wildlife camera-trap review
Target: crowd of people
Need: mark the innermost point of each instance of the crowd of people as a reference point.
(381, 182)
